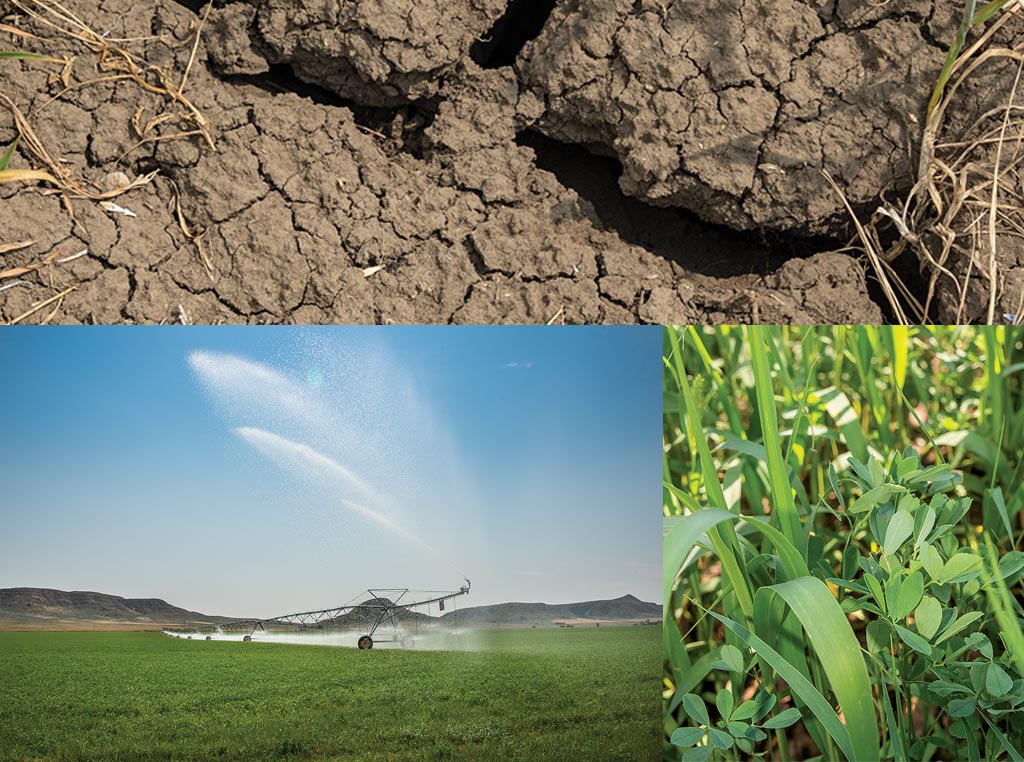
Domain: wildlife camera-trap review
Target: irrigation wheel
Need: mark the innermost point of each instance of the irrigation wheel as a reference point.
(365, 642)
(408, 642)
(247, 639)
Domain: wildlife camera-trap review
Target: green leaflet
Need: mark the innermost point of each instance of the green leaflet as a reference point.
(959, 624)
(724, 702)
(731, 655)
(960, 565)
(903, 598)
(783, 719)
(928, 617)
(694, 707)
(875, 497)
(932, 561)
(687, 736)
(901, 526)
(997, 682)
(927, 517)
(914, 640)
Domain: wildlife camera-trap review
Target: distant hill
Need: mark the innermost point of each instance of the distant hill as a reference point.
(41, 608)
(36, 606)
(628, 607)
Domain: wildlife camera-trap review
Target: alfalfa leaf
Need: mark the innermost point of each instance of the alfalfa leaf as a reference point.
(732, 656)
(1011, 564)
(874, 497)
(724, 701)
(905, 596)
(901, 526)
(997, 682)
(959, 624)
(928, 617)
(924, 522)
(698, 754)
(694, 707)
(914, 640)
(931, 560)
(962, 707)
(959, 568)
(746, 710)
(687, 737)
(783, 719)
(720, 739)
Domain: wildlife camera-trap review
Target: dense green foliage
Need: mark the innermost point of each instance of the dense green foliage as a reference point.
(525, 695)
(843, 516)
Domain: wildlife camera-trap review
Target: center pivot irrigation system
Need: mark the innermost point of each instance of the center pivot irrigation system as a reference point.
(377, 617)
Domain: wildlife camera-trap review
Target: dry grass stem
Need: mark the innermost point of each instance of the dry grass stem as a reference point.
(967, 200)
(35, 308)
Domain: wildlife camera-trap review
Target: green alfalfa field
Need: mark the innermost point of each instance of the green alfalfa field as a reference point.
(842, 561)
(521, 694)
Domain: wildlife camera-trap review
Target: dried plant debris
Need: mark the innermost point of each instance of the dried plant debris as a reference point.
(963, 220)
(372, 161)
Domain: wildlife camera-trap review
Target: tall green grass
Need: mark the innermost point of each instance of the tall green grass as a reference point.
(837, 500)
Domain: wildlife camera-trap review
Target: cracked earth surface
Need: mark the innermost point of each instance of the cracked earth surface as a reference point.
(408, 188)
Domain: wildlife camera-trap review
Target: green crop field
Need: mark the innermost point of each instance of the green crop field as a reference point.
(523, 695)
(844, 516)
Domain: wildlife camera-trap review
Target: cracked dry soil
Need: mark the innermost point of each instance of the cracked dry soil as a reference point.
(466, 161)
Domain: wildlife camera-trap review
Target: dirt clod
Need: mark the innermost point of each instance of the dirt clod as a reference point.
(413, 196)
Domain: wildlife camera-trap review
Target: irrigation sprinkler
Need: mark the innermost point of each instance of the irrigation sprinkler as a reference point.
(377, 619)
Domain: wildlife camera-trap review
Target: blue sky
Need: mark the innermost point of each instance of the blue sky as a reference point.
(259, 471)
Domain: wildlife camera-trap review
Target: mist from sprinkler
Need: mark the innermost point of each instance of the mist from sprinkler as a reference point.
(436, 638)
(249, 391)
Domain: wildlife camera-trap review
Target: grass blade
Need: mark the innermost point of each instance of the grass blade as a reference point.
(681, 539)
(5, 160)
(799, 684)
(778, 474)
(838, 650)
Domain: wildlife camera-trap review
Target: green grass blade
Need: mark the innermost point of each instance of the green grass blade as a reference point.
(899, 754)
(839, 407)
(5, 160)
(838, 651)
(19, 54)
(1001, 602)
(673, 648)
(900, 341)
(951, 56)
(726, 544)
(988, 11)
(778, 475)
(799, 684)
(1014, 754)
(681, 539)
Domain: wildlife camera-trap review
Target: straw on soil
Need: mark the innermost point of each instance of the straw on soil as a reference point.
(53, 24)
(967, 197)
